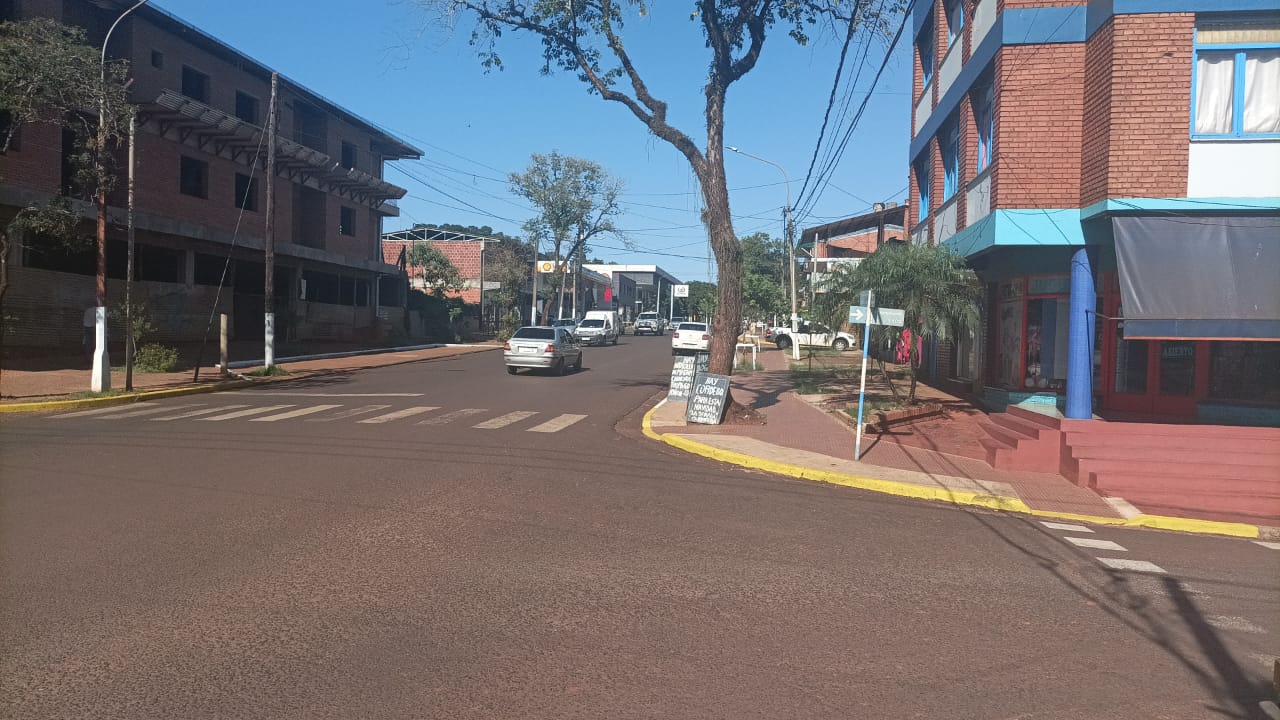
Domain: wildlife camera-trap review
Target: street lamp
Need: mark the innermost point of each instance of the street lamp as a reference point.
(791, 247)
(100, 380)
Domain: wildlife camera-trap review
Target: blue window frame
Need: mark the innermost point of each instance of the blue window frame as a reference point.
(955, 19)
(984, 120)
(1235, 81)
(921, 167)
(949, 139)
(924, 47)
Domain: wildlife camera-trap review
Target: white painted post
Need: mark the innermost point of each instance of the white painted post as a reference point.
(222, 346)
(101, 378)
(862, 384)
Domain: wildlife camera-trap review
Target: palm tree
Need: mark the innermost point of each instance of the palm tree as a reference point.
(937, 292)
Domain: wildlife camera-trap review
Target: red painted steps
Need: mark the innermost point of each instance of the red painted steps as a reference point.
(1020, 440)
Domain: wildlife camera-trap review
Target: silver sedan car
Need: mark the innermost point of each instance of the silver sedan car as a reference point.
(553, 348)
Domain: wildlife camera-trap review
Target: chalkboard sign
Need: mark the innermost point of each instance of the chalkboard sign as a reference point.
(707, 399)
(683, 369)
(703, 361)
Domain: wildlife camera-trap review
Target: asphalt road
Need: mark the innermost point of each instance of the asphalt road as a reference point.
(411, 542)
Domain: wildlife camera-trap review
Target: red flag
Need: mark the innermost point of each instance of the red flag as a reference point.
(608, 294)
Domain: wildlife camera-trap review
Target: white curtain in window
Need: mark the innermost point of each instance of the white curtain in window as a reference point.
(1215, 86)
(1262, 91)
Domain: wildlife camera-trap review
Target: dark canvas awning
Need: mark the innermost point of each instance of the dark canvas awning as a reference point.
(1199, 277)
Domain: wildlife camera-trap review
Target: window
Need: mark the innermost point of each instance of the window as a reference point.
(195, 84)
(246, 192)
(924, 47)
(955, 19)
(209, 269)
(985, 122)
(247, 107)
(1244, 371)
(949, 140)
(1236, 79)
(159, 264)
(347, 221)
(348, 155)
(922, 183)
(193, 177)
(157, 59)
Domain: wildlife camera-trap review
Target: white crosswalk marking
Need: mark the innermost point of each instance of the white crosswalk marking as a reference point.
(197, 413)
(87, 413)
(1065, 526)
(505, 420)
(1096, 544)
(1230, 622)
(399, 414)
(143, 411)
(557, 424)
(1268, 545)
(244, 413)
(362, 410)
(451, 416)
(1132, 565)
(295, 413)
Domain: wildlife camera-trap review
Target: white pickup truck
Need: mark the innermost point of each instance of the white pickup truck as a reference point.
(811, 335)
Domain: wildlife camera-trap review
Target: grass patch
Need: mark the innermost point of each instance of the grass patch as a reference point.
(818, 380)
(272, 371)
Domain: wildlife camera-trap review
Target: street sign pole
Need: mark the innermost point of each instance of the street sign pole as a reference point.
(862, 384)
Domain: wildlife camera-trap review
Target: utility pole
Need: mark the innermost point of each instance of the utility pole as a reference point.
(269, 236)
(129, 340)
(533, 305)
(482, 323)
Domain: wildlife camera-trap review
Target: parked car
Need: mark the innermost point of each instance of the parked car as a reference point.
(811, 335)
(569, 324)
(676, 320)
(553, 348)
(600, 327)
(690, 337)
(648, 322)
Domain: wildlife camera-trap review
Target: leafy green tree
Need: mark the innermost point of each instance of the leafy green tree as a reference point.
(586, 38)
(438, 274)
(763, 281)
(703, 301)
(937, 292)
(576, 201)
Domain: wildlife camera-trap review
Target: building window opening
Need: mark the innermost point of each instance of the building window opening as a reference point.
(159, 264)
(984, 121)
(208, 270)
(157, 59)
(924, 49)
(347, 221)
(193, 177)
(950, 141)
(348, 155)
(310, 127)
(1237, 79)
(246, 192)
(955, 19)
(247, 107)
(922, 183)
(195, 84)
(321, 287)
(1245, 372)
(1047, 325)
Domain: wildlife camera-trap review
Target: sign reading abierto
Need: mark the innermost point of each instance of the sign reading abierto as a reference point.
(679, 291)
(682, 371)
(707, 399)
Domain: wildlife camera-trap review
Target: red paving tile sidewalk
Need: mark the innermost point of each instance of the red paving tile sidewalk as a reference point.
(794, 423)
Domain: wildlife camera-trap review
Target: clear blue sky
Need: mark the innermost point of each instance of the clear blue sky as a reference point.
(400, 66)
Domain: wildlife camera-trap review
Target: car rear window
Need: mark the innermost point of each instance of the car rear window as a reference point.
(592, 323)
(693, 327)
(534, 333)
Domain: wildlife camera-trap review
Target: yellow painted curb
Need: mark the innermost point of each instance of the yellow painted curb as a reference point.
(954, 497)
(121, 399)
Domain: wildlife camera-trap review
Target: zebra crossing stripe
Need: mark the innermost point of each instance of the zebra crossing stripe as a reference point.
(505, 420)
(1096, 544)
(95, 411)
(556, 424)
(451, 416)
(1068, 527)
(197, 413)
(399, 414)
(245, 413)
(362, 410)
(1132, 565)
(143, 411)
(295, 413)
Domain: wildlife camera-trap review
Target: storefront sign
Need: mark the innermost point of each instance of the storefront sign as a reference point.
(708, 398)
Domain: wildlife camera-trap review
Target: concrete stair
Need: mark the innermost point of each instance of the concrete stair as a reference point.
(1022, 440)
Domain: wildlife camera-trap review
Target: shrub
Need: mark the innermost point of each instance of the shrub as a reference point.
(154, 358)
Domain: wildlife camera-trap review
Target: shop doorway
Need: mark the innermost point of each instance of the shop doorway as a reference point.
(1156, 378)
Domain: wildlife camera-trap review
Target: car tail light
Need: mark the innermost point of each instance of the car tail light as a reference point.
(675, 334)
(706, 337)
(551, 348)
(506, 346)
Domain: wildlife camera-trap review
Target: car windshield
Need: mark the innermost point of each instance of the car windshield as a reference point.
(693, 327)
(592, 324)
(648, 316)
(534, 333)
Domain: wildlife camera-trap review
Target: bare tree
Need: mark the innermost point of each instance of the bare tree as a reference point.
(579, 35)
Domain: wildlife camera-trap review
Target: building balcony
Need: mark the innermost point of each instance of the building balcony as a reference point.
(977, 197)
(924, 106)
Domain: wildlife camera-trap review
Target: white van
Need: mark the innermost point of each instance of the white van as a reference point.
(600, 327)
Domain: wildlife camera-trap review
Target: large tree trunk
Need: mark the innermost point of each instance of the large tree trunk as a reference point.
(4, 288)
(727, 322)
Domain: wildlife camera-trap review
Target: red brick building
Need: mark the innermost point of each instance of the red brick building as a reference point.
(1109, 170)
(200, 196)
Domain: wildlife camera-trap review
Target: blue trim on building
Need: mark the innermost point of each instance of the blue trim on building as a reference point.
(979, 59)
(919, 13)
(1034, 228)
(1182, 205)
(1037, 26)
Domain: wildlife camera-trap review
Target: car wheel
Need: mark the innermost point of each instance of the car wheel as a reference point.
(511, 370)
(577, 367)
(840, 344)
(615, 340)
(783, 343)
(558, 368)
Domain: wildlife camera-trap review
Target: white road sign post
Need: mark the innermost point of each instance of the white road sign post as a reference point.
(862, 384)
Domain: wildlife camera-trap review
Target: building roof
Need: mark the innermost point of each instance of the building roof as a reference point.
(608, 269)
(890, 216)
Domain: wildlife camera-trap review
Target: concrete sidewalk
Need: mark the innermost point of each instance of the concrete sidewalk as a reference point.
(62, 388)
(804, 441)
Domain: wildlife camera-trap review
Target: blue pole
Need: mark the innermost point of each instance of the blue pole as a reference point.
(1080, 338)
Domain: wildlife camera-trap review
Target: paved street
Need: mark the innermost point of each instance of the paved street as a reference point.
(443, 540)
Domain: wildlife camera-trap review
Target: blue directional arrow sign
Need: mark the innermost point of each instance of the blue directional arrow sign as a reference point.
(879, 316)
